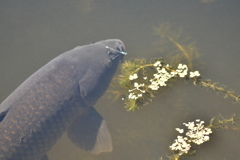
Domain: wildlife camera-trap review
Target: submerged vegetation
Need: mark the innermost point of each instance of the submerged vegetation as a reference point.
(186, 144)
(141, 80)
(180, 49)
(144, 80)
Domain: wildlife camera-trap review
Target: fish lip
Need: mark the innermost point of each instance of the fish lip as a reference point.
(116, 48)
(116, 41)
(122, 45)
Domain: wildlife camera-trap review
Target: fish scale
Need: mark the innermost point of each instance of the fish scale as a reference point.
(57, 96)
(41, 134)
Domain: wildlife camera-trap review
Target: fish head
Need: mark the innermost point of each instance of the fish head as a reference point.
(116, 48)
(104, 60)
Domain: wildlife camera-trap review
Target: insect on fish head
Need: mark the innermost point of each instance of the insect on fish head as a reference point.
(119, 51)
(104, 63)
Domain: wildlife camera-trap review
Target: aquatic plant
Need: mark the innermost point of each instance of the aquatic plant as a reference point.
(186, 144)
(179, 49)
(141, 80)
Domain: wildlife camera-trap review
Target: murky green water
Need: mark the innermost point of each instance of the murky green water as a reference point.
(34, 32)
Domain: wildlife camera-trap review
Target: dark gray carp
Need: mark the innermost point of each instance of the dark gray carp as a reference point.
(58, 98)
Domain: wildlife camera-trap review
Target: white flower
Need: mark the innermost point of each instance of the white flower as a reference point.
(173, 73)
(190, 125)
(136, 84)
(184, 66)
(197, 73)
(158, 63)
(191, 75)
(180, 66)
(182, 70)
(156, 76)
(180, 130)
(180, 145)
(163, 70)
(182, 74)
(198, 133)
(194, 74)
(132, 96)
(134, 76)
(153, 86)
(158, 69)
(206, 138)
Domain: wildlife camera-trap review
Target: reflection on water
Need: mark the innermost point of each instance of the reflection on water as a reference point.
(208, 1)
(179, 48)
(87, 6)
(32, 33)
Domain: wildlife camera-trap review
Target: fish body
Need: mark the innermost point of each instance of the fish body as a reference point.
(54, 98)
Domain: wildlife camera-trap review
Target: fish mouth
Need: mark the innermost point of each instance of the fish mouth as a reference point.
(116, 48)
(120, 45)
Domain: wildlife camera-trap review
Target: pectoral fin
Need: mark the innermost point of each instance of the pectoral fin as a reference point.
(3, 113)
(89, 132)
(85, 88)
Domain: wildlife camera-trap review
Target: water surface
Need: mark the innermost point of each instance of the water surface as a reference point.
(34, 32)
